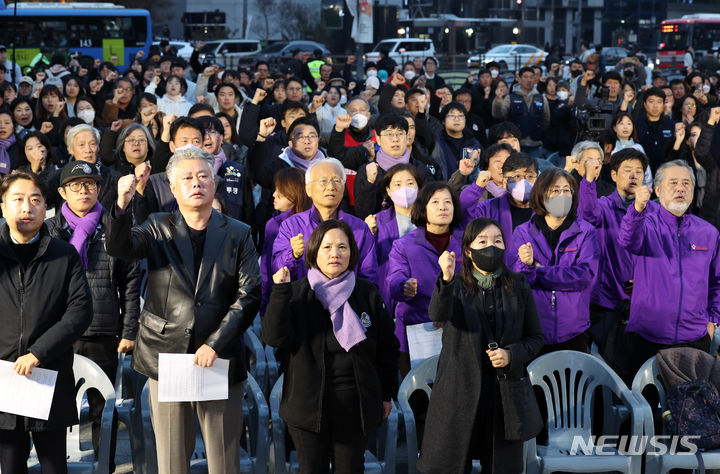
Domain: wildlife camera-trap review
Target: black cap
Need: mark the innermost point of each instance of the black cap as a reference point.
(78, 169)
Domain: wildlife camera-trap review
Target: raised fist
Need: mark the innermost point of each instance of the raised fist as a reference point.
(371, 222)
(525, 252)
(447, 265)
(642, 196)
(410, 288)
(298, 245)
(282, 276)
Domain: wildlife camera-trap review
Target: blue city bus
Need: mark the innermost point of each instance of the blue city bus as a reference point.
(99, 30)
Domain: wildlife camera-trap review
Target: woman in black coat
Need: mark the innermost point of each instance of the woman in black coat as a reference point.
(342, 353)
(464, 419)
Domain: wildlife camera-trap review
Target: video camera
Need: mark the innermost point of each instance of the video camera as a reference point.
(594, 119)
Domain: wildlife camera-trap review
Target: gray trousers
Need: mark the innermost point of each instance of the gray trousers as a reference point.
(220, 426)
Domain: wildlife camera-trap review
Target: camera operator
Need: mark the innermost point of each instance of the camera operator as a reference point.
(612, 81)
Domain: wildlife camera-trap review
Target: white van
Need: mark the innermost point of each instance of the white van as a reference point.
(403, 49)
(230, 52)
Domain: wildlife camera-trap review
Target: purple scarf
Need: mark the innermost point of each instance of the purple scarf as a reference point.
(333, 295)
(220, 159)
(302, 163)
(82, 227)
(386, 161)
(5, 144)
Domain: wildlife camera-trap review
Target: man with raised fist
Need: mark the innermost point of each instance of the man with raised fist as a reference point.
(676, 267)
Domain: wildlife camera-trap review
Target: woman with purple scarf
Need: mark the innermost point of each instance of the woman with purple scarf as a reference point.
(392, 149)
(8, 142)
(342, 353)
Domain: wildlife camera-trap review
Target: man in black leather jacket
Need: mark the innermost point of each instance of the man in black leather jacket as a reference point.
(203, 293)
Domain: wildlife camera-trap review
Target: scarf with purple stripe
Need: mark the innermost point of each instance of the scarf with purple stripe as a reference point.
(333, 295)
(5, 144)
(386, 161)
(302, 163)
(82, 227)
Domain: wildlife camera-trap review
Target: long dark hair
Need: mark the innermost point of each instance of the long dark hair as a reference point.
(507, 279)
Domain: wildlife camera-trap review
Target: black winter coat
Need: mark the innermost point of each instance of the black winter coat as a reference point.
(182, 312)
(45, 308)
(114, 283)
(296, 321)
(457, 390)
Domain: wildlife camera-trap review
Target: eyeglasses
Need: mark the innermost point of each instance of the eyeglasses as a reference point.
(455, 117)
(691, 105)
(136, 141)
(394, 135)
(306, 138)
(76, 186)
(518, 177)
(323, 182)
(558, 191)
(126, 89)
(293, 89)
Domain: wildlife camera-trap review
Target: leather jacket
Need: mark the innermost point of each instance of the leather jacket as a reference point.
(181, 314)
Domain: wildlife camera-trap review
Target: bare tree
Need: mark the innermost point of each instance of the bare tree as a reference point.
(301, 22)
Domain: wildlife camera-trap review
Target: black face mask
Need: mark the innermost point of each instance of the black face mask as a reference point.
(575, 72)
(487, 259)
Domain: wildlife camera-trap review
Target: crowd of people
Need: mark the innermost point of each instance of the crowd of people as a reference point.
(554, 208)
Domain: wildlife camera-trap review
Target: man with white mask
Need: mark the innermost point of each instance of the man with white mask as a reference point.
(676, 267)
(352, 130)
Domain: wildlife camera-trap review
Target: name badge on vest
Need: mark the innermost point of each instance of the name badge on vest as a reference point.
(365, 320)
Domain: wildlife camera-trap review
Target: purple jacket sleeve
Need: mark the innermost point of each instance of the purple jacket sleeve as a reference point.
(714, 289)
(631, 235)
(398, 272)
(568, 278)
(588, 208)
(368, 266)
(470, 196)
(282, 253)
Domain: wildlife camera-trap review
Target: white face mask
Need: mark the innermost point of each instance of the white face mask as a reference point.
(189, 146)
(87, 116)
(409, 75)
(372, 73)
(563, 95)
(706, 88)
(359, 121)
(494, 73)
(343, 100)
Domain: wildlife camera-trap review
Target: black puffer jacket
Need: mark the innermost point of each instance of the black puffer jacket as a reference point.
(114, 283)
(45, 308)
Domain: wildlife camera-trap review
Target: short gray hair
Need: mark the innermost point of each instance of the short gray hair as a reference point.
(131, 128)
(189, 154)
(660, 173)
(359, 99)
(334, 161)
(583, 146)
(78, 129)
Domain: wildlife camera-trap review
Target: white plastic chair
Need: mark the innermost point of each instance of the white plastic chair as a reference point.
(569, 381)
(89, 375)
(128, 394)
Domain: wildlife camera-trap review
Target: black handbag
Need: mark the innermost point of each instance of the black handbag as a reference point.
(521, 412)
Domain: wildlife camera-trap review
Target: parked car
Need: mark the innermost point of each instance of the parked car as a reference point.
(402, 49)
(614, 55)
(182, 49)
(510, 56)
(232, 52)
(284, 49)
